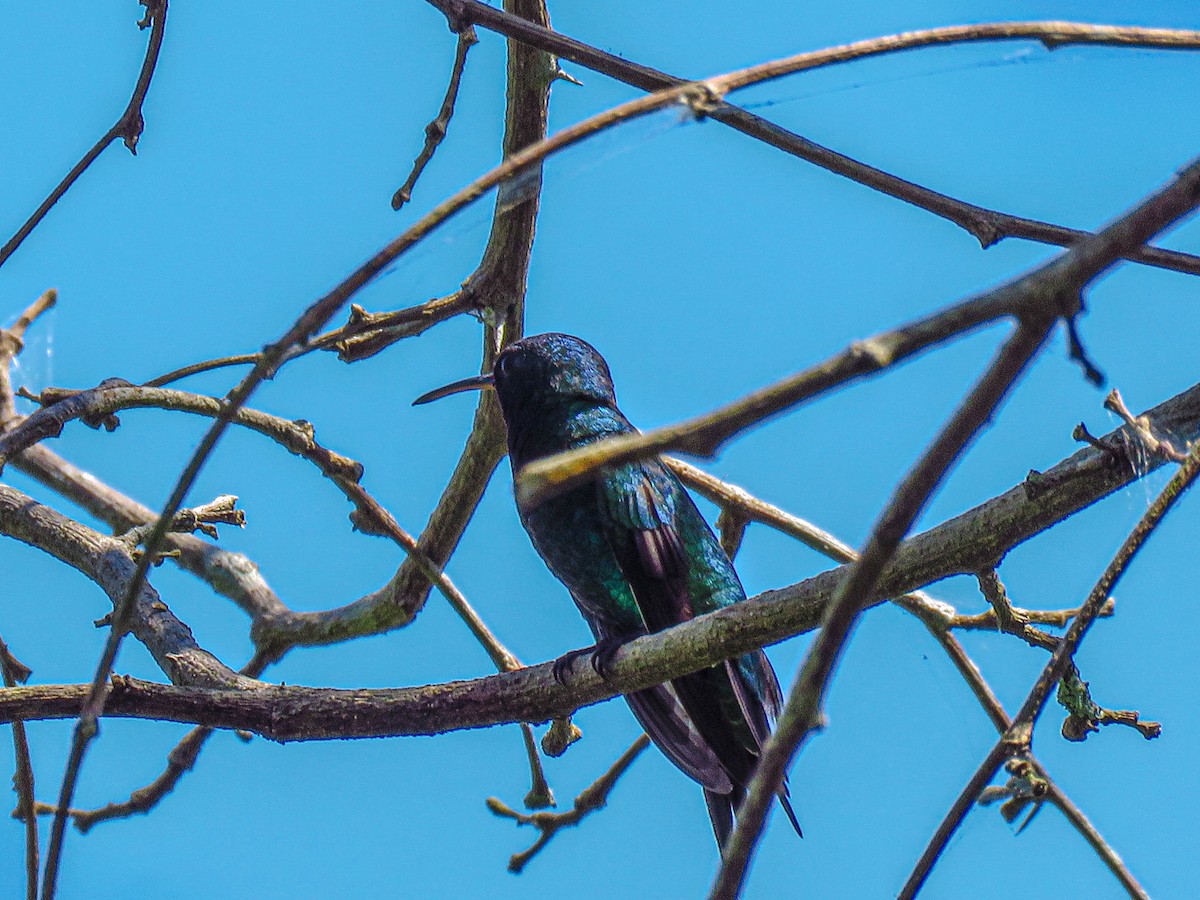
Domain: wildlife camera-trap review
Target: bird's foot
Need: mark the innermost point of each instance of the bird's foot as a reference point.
(562, 665)
(602, 656)
(603, 653)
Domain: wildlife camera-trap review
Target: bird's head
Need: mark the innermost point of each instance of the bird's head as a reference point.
(540, 371)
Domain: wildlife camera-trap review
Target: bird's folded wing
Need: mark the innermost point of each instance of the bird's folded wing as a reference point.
(663, 717)
(640, 502)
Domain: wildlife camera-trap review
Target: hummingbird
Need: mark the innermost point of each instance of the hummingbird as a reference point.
(637, 557)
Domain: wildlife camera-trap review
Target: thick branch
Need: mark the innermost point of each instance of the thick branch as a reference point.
(107, 562)
(962, 545)
(230, 574)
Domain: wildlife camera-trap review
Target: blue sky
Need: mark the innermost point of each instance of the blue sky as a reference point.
(702, 265)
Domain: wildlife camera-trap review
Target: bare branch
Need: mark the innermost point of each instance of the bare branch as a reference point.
(1140, 429)
(229, 574)
(1008, 618)
(959, 546)
(988, 226)
(12, 342)
(208, 365)
(1054, 794)
(205, 518)
(1104, 850)
(1085, 715)
(115, 394)
(801, 714)
(1017, 738)
(180, 761)
(14, 671)
(367, 333)
(129, 128)
(540, 796)
(987, 621)
(1057, 288)
(107, 562)
(939, 618)
(1059, 282)
(594, 797)
(738, 504)
(561, 734)
(497, 291)
(274, 625)
(435, 131)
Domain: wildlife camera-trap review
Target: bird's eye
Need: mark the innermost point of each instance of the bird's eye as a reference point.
(507, 365)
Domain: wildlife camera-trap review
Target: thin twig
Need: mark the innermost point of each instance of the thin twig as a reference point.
(1009, 618)
(540, 796)
(1104, 850)
(12, 342)
(15, 672)
(208, 365)
(591, 799)
(228, 573)
(204, 518)
(1017, 738)
(364, 334)
(1140, 428)
(129, 128)
(108, 562)
(745, 505)
(986, 621)
(991, 704)
(1085, 715)
(435, 131)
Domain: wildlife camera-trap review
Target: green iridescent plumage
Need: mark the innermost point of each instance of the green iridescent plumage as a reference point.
(637, 557)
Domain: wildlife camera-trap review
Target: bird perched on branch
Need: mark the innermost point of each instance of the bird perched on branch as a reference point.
(637, 557)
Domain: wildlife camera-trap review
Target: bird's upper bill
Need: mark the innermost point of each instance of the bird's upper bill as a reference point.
(475, 383)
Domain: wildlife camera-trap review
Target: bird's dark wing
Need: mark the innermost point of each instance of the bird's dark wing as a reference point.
(644, 505)
(642, 501)
(660, 712)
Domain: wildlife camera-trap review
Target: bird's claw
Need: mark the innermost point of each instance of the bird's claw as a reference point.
(562, 665)
(602, 655)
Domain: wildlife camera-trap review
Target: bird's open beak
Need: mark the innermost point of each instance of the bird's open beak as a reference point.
(477, 383)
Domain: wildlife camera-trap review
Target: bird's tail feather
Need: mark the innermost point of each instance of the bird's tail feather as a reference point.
(720, 811)
(787, 808)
